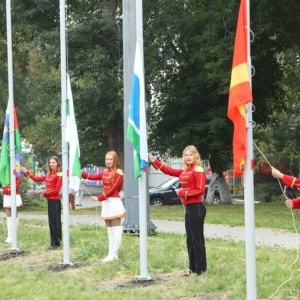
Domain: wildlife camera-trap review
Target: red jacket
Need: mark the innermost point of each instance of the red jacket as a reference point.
(111, 182)
(294, 183)
(53, 184)
(7, 190)
(192, 181)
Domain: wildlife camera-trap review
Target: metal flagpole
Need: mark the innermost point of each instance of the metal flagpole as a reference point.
(65, 192)
(131, 224)
(143, 202)
(249, 187)
(144, 275)
(12, 152)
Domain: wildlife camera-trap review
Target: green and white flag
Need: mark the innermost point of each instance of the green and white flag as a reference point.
(72, 139)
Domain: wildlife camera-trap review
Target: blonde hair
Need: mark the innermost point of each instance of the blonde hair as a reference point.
(58, 168)
(196, 154)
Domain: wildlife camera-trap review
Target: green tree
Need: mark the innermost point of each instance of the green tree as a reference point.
(188, 57)
(279, 140)
(95, 66)
(93, 63)
(189, 46)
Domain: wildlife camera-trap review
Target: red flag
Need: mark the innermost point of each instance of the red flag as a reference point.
(240, 91)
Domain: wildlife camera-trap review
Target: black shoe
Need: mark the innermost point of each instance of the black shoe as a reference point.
(190, 273)
(198, 273)
(52, 248)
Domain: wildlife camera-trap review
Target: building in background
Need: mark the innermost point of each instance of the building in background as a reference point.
(93, 170)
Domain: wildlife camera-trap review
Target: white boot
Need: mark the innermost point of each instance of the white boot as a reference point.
(110, 234)
(9, 229)
(9, 237)
(118, 231)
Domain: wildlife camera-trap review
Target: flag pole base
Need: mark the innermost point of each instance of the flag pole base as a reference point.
(63, 265)
(142, 278)
(15, 251)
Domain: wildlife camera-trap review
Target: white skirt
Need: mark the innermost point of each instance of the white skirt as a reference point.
(7, 201)
(112, 208)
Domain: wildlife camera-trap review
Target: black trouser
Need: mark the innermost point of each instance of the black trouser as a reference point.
(54, 218)
(194, 226)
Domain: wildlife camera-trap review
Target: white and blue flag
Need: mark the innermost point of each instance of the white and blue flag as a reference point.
(137, 132)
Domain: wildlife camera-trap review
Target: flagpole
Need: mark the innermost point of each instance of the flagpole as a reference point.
(11, 127)
(131, 189)
(144, 275)
(65, 192)
(249, 186)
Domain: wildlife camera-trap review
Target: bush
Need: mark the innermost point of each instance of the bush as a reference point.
(267, 191)
(32, 200)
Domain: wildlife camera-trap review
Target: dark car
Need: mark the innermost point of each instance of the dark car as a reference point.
(165, 193)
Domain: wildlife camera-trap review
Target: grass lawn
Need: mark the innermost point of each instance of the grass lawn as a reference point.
(267, 214)
(37, 273)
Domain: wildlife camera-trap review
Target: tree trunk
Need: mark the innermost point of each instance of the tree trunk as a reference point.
(115, 131)
(115, 138)
(109, 12)
(223, 189)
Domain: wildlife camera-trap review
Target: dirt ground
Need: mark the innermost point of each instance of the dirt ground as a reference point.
(29, 260)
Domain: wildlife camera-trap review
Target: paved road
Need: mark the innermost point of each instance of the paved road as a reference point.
(266, 237)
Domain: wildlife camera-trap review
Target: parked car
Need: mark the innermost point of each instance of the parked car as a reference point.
(165, 193)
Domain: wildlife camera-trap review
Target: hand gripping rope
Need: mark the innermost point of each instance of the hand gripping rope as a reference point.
(296, 231)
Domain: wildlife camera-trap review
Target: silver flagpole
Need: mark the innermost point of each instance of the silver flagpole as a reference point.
(131, 223)
(65, 185)
(12, 152)
(144, 275)
(249, 187)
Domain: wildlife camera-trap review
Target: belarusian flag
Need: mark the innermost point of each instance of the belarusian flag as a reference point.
(72, 139)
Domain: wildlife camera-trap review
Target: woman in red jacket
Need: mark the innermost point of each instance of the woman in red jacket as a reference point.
(112, 207)
(292, 182)
(192, 180)
(53, 180)
(7, 205)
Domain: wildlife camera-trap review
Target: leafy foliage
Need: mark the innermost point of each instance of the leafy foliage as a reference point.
(189, 45)
(93, 65)
(188, 56)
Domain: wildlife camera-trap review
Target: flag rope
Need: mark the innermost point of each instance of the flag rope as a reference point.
(96, 217)
(294, 225)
